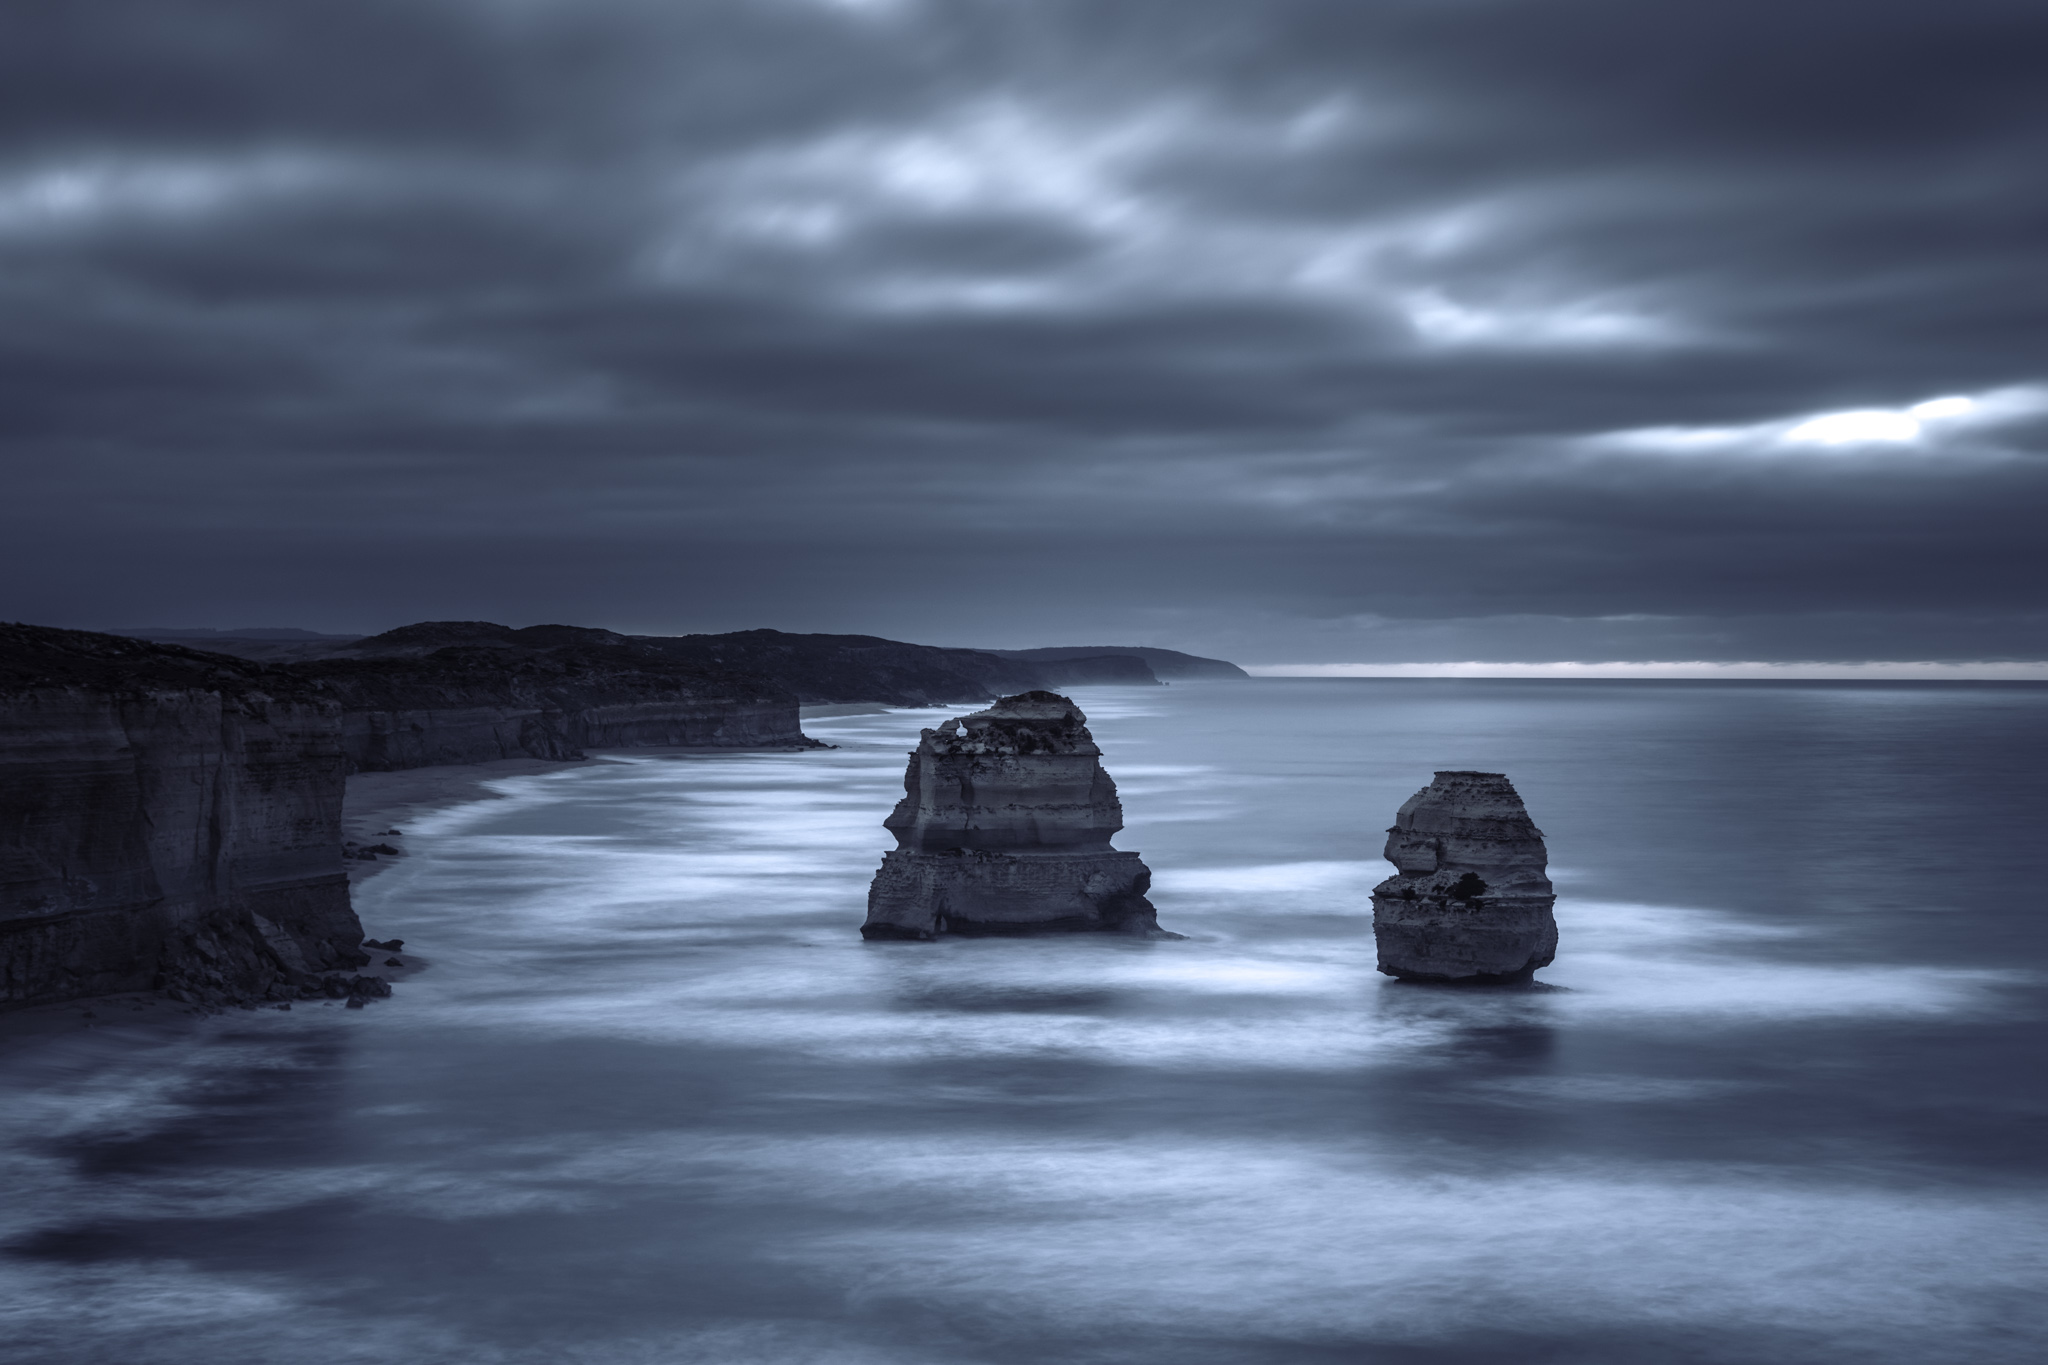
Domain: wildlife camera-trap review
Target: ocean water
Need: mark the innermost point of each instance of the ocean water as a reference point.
(1780, 1099)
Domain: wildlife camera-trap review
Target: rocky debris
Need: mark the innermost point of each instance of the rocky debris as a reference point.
(168, 820)
(389, 945)
(1004, 828)
(1470, 901)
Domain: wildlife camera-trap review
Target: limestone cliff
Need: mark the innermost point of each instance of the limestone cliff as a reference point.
(1004, 828)
(168, 818)
(1166, 664)
(817, 668)
(471, 691)
(1470, 900)
(848, 668)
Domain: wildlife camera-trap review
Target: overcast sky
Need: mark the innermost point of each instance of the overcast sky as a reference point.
(1286, 330)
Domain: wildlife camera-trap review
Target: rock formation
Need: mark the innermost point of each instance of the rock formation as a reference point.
(847, 668)
(471, 691)
(1166, 664)
(1004, 828)
(168, 819)
(1470, 900)
(817, 668)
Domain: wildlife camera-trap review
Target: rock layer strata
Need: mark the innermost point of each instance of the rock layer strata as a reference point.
(1471, 900)
(1004, 828)
(472, 692)
(169, 819)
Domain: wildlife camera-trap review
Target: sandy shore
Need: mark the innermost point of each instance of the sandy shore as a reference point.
(373, 804)
(373, 807)
(378, 803)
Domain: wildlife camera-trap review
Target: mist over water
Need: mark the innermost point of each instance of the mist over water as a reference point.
(655, 1101)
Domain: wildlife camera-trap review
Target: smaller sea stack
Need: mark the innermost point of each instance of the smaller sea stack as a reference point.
(1470, 901)
(1004, 828)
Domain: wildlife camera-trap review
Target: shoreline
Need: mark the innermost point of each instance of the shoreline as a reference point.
(375, 803)
(372, 805)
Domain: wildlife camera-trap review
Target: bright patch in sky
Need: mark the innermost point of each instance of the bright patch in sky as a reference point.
(1879, 425)
(1856, 428)
(1930, 425)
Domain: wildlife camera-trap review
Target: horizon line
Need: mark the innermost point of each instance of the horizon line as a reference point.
(1698, 669)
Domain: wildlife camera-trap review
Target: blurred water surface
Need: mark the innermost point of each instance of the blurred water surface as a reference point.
(656, 1102)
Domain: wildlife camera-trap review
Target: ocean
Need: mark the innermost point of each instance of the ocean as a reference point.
(1781, 1098)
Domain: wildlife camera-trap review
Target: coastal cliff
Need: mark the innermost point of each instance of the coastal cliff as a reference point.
(817, 669)
(168, 819)
(856, 668)
(472, 691)
(1166, 664)
(1004, 828)
(1471, 898)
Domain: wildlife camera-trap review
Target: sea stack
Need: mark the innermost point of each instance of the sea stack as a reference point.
(1470, 901)
(1004, 828)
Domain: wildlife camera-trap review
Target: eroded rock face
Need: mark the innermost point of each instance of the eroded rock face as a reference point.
(1004, 828)
(1471, 900)
(168, 819)
(472, 691)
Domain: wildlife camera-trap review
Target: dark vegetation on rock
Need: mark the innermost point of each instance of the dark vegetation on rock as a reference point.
(1004, 828)
(1471, 899)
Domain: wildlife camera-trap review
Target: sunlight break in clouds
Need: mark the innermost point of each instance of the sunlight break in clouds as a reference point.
(1935, 424)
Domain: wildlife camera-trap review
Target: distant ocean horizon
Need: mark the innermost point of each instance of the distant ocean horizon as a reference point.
(1983, 670)
(1780, 1098)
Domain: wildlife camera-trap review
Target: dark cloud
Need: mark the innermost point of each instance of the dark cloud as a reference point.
(1305, 330)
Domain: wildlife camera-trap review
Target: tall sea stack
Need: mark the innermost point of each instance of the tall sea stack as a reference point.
(1470, 901)
(1004, 828)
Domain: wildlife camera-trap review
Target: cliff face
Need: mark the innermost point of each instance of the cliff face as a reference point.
(167, 818)
(1164, 663)
(1471, 899)
(468, 692)
(816, 668)
(1004, 827)
(851, 668)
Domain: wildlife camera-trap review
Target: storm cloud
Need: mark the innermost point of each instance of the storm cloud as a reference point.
(1315, 330)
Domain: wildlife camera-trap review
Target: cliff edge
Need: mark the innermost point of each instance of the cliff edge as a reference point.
(473, 691)
(169, 819)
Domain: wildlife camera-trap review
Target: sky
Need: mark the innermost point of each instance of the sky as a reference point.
(1344, 332)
